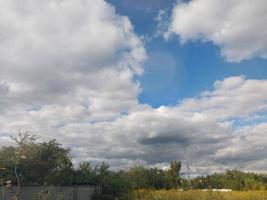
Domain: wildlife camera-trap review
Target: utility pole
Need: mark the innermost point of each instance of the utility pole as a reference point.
(188, 173)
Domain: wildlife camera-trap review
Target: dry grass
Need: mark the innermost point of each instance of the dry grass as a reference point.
(196, 195)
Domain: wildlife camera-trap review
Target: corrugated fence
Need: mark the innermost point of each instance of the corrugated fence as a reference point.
(64, 193)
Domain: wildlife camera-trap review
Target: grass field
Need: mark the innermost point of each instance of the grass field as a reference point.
(196, 195)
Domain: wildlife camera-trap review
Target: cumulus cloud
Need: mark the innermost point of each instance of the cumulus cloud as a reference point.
(149, 136)
(211, 139)
(59, 55)
(66, 68)
(238, 27)
(247, 149)
(197, 132)
(67, 72)
(233, 97)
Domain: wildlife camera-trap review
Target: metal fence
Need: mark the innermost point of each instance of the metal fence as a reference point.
(65, 193)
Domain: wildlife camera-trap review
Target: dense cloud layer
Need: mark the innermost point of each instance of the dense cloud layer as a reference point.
(238, 27)
(68, 56)
(67, 72)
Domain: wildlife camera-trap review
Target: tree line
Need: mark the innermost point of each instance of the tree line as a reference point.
(32, 162)
(232, 179)
(35, 163)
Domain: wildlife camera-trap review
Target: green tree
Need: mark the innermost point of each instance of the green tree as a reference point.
(37, 163)
(173, 175)
(102, 171)
(115, 183)
(138, 177)
(86, 174)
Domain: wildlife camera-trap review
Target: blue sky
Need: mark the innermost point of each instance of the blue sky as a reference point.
(138, 82)
(173, 70)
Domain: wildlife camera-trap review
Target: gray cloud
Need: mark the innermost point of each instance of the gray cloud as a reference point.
(62, 76)
(155, 136)
(161, 140)
(247, 148)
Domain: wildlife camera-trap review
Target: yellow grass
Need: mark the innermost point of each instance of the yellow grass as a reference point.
(196, 195)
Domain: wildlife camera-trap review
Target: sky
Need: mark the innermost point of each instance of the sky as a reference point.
(138, 82)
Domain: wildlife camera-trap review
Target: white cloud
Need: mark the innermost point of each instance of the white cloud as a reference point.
(67, 72)
(238, 27)
(198, 129)
(65, 54)
(67, 69)
(233, 97)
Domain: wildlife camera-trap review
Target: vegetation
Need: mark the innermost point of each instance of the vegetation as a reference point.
(45, 195)
(232, 179)
(37, 163)
(48, 163)
(194, 195)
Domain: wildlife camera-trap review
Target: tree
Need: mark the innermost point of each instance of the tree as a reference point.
(102, 171)
(138, 177)
(86, 174)
(173, 175)
(141, 177)
(115, 183)
(37, 163)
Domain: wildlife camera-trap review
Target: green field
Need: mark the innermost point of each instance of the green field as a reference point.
(195, 195)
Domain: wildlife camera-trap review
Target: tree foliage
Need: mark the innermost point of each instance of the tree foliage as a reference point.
(38, 163)
(232, 179)
(173, 179)
(48, 163)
